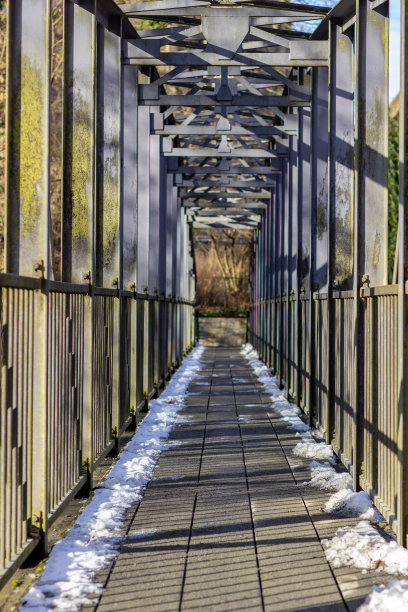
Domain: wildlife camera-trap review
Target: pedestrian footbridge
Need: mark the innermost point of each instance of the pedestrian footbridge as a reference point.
(180, 114)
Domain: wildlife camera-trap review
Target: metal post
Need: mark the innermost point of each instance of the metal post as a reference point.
(27, 212)
(78, 204)
(304, 217)
(129, 220)
(341, 198)
(108, 237)
(319, 228)
(170, 199)
(153, 283)
(293, 195)
(143, 169)
(370, 213)
(162, 338)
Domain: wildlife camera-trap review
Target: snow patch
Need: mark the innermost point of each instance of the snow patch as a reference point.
(325, 477)
(388, 598)
(347, 503)
(314, 450)
(93, 542)
(364, 548)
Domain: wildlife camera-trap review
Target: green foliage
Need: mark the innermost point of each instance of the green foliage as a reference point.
(393, 192)
(150, 24)
(16, 583)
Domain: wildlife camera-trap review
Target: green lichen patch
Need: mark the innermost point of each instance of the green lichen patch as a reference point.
(110, 208)
(81, 173)
(30, 148)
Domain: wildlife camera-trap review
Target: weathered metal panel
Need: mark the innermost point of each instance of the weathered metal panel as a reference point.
(304, 251)
(319, 248)
(109, 123)
(78, 144)
(27, 212)
(143, 157)
(128, 225)
(129, 130)
(341, 156)
(372, 126)
(27, 172)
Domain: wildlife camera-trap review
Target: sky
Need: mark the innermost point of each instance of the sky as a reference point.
(394, 48)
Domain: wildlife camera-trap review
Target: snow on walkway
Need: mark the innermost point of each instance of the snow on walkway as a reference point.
(93, 542)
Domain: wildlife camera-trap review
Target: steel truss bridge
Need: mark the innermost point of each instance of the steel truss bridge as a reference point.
(226, 116)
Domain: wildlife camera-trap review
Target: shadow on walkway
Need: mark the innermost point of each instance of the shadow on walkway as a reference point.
(223, 524)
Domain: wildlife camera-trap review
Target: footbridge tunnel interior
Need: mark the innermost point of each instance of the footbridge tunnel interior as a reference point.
(221, 115)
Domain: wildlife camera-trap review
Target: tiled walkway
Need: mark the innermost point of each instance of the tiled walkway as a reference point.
(223, 524)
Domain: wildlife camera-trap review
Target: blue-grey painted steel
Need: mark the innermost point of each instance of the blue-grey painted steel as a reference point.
(143, 195)
(154, 210)
(341, 156)
(78, 187)
(320, 179)
(28, 144)
(129, 176)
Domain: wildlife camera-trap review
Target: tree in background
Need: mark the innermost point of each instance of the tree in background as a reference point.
(222, 259)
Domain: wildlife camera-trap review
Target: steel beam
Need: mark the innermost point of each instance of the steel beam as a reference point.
(78, 188)
(108, 159)
(233, 170)
(319, 247)
(129, 130)
(212, 130)
(180, 182)
(240, 153)
(371, 205)
(227, 195)
(239, 100)
(224, 205)
(27, 253)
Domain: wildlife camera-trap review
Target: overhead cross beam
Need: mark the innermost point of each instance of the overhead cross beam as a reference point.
(228, 183)
(210, 195)
(228, 105)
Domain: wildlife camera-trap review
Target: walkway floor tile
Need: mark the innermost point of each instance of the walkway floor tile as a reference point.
(224, 524)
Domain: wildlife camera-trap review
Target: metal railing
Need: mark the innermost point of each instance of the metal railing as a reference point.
(87, 403)
(338, 338)
(81, 356)
(326, 382)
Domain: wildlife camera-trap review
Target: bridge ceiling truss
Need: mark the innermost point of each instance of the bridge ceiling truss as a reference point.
(224, 95)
